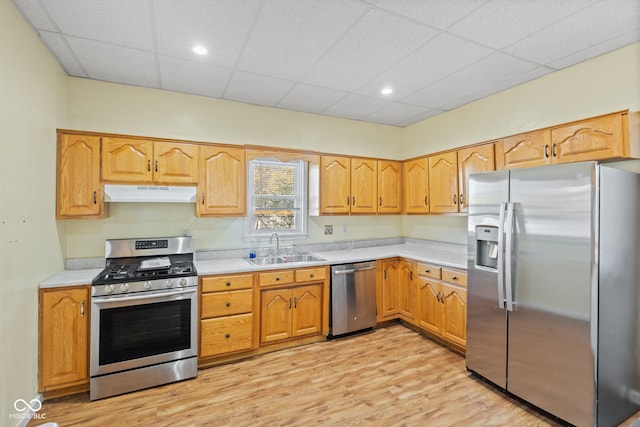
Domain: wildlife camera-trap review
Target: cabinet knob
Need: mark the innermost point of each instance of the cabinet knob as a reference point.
(455, 199)
(427, 270)
(426, 200)
(228, 304)
(277, 279)
(228, 283)
(454, 277)
(311, 275)
(553, 150)
(546, 150)
(227, 335)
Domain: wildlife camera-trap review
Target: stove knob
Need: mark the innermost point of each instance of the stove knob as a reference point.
(169, 283)
(183, 282)
(108, 289)
(124, 287)
(148, 285)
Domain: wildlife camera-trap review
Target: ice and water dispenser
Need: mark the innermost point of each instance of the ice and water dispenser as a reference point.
(487, 246)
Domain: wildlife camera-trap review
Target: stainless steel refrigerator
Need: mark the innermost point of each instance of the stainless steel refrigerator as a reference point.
(553, 288)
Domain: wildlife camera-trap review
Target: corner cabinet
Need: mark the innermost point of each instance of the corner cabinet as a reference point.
(221, 187)
(473, 160)
(79, 192)
(63, 340)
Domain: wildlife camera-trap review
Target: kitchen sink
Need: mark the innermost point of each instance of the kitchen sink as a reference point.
(282, 259)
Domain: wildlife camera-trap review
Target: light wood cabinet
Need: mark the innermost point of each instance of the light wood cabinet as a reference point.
(387, 289)
(476, 159)
(524, 150)
(79, 192)
(389, 187)
(364, 186)
(335, 185)
(221, 186)
(415, 175)
(592, 139)
(443, 182)
(227, 322)
(442, 304)
(144, 161)
(406, 290)
(293, 304)
(63, 338)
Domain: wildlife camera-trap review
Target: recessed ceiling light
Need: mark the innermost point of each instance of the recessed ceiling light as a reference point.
(387, 90)
(200, 50)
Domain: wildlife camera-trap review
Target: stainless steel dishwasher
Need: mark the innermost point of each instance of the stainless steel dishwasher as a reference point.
(353, 297)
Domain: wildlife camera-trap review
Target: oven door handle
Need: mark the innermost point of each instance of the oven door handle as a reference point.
(103, 300)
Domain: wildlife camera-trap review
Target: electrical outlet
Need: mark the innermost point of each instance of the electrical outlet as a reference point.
(328, 230)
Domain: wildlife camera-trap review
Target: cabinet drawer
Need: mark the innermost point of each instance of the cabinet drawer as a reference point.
(428, 270)
(225, 334)
(226, 303)
(453, 276)
(311, 274)
(227, 283)
(276, 278)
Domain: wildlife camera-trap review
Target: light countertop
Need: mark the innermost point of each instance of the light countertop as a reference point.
(446, 255)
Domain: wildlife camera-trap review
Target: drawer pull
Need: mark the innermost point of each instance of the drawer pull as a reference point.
(228, 304)
(227, 335)
(277, 279)
(311, 275)
(228, 283)
(427, 270)
(454, 277)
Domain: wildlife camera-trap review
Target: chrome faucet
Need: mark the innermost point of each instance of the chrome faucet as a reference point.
(277, 242)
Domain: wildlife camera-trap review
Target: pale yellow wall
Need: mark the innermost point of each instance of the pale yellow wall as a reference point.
(106, 107)
(602, 85)
(32, 103)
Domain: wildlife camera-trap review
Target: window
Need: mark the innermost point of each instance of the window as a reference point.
(276, 198)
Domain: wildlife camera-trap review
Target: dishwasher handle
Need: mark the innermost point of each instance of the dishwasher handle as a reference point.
(353, 270)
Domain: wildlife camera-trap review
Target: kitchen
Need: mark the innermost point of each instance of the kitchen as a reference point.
(40, 97)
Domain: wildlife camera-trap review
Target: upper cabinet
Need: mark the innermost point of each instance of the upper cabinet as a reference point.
(79, 189)
(443, 182)
(415, 175)
(364, 185)
(335, 185)
(476, 159)
(389, 186)
(597, 138)
(221, 186)
(133, 160)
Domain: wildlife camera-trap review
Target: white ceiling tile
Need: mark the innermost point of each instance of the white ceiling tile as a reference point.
(438, 13)
(356, 106)
(501, 23)
(478, 76)
(221, 26)
(289, 51)
(603, 21)
(57, 45)
(36, 14)
(121, 22)
(193, 77)
(375, 43)
(597, 50)
(395, 113)
(427, 114)
(107, 62)
(256, 89)
(438, 58)
(310, 98)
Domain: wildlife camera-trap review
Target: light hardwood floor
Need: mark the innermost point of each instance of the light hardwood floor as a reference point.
(392, 376)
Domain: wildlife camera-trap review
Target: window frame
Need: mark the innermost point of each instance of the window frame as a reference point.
(301, 202)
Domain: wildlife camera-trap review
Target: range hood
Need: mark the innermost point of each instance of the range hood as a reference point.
(149, 193)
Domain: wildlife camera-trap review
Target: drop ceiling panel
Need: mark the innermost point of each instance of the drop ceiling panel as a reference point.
(373, 45)
(256, 89)
(596, 50)
(57, 44)
(120, 22)
(356, 106)
(396, 112)
(288, 38)
(107, 62)
(36, 14)
(221, 26)
(311, 99)
(437, 13)
(194, 77)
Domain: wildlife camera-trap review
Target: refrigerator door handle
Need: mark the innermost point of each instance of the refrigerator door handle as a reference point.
(503, 207)
(508, 256)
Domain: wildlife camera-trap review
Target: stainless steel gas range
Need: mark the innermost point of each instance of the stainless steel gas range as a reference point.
(144, 316)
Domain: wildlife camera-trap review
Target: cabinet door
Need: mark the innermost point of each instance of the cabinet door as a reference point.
(454, 319)
(473, 160)
(307, 310)
(335, 185)
(175, 163)
(429, 306)
(364, 186)
(389, 288)
(416, 186)
(127, 160)
(443, 182)
(592, 139)
(221, 187)
(389, 186)
(524, 150)
(226, 334)
(79, 191)
(275, 315)
(406, 291)
(64, 332)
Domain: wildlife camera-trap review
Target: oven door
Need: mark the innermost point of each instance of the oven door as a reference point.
(132, 331)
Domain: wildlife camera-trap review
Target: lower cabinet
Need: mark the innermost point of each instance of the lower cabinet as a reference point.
(63, 340)
(442, 303)
(396, 289)
(293, 304)
(226, 315)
